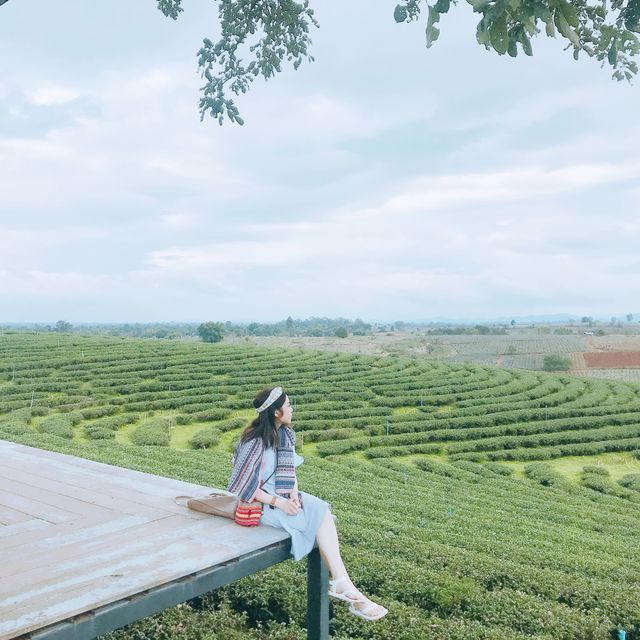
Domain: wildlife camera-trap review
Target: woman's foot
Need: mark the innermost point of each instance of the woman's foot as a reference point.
(343, 589)
(368, 610)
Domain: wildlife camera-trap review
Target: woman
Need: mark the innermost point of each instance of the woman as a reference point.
(264, 469)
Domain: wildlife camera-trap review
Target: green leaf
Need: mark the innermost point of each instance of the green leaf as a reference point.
(498, 35)
(442, 6)
(400, 13)
(612, 56)
(512, 49)
(550, 29)
(526, 44)
(479, 6)
(542, 11)
(569, 12)
(432, 32)
(482, 35)
(565, 29)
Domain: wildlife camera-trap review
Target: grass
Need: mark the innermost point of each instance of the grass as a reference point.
(123, 434)
(182, 433)
(617, 463)
(403, 411)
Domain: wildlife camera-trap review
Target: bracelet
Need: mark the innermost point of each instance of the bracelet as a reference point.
(273, 501)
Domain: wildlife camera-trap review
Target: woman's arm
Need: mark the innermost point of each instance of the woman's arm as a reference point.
(290, 507)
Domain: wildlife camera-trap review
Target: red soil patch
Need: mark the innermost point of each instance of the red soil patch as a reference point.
(612, 359)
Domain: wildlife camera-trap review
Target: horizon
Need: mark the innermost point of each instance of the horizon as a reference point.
(543, 319)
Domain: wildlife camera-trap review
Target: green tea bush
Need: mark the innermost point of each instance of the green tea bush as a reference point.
(91, 413)
(154, 431)
(499, 469)
(592, 468)
(57, 425)
(602, 484)
(205, 438)
(631, 481)
(446, 470)
(473, 467)
(545, 475)
(331, 435)
(325, 449)
(99, 433)
(112, 423)
(231, 424)
(209, 414)
(413, 449)
(16, 422)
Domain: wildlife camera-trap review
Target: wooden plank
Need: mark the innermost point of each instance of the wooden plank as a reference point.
(38, 533)
(52, 499)
(80, 466)
(62, 563)
(138, 485)
(168, 559)
(201, 548)
(55, 560)
(73, 531)
(120, 504)
(21, 527)
(35, 508)
(7, 444)
(114, 615)
(11, 516)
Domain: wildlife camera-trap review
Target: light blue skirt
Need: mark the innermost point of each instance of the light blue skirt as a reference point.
(302, 527)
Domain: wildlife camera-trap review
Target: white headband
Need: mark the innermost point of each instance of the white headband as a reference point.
(273, 396)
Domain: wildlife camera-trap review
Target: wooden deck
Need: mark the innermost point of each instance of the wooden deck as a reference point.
(77, 536)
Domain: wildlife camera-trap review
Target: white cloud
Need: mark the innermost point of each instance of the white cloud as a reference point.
(49, 95)
(179, 221)
(23, 248)
(16, 112)
(429, 244)
(118, 154)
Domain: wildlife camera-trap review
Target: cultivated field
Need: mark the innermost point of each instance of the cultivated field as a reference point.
(474, 502)
(615, 357)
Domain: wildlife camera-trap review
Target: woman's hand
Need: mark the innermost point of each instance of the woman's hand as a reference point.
(290, 506)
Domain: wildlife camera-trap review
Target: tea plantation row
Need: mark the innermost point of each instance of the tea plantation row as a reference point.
(450, 541)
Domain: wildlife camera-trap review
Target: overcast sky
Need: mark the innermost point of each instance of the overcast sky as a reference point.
(384, 181)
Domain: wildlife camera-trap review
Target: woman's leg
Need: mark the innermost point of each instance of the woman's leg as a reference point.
(327, 537)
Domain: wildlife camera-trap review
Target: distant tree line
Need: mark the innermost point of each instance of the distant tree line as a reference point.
(211, 331)
(311, 327)
(478, 329)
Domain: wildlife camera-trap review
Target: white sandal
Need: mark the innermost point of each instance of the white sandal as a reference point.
(343, 595)
(362, 613)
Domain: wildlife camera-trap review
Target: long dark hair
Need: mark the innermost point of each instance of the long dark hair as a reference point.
(264, 424)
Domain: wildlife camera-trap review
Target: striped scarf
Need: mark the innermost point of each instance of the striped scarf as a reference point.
(247, 466)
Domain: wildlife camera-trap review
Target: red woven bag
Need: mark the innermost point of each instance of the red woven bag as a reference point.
(248, 513)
